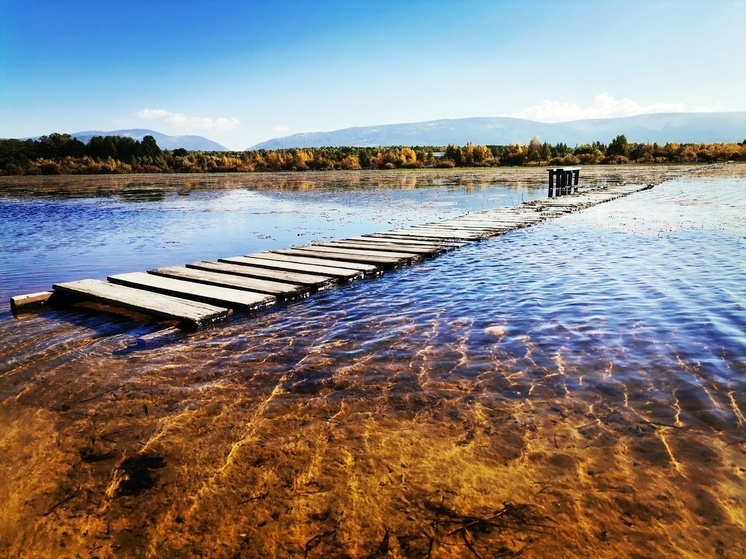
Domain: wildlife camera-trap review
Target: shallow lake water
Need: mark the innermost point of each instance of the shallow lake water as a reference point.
(67, 229)
(573, 389)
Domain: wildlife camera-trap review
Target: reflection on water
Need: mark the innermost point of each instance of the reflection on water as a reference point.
(61, 228)
(574, 389)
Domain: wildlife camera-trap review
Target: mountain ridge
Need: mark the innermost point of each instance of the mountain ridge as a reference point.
(690, 127)
(164, 141)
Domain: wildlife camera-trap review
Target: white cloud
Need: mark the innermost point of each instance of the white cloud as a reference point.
(189, 123)
(282, 128)
(604, 106)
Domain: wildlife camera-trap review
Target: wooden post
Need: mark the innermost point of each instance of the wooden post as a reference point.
(563, 180)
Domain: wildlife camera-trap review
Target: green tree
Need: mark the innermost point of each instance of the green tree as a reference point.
(618, 146)
(533, 153)
(149, 147)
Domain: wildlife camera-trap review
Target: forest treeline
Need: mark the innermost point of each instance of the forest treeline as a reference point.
(58, 154)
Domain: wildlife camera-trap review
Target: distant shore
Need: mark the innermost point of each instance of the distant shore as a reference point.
(102, 185)
(61, 154)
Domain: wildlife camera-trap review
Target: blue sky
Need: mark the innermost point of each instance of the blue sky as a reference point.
(244, 72)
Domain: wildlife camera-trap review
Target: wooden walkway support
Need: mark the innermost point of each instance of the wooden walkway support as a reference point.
(201, 293)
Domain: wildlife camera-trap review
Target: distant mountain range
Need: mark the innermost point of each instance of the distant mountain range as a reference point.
(649, 128)
(192, 143)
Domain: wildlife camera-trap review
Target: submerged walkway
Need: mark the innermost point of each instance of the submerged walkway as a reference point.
(201, 293)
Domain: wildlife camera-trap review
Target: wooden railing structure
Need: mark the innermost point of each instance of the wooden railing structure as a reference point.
(562, 180)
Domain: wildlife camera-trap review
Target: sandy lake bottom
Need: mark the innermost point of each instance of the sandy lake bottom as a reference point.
(572, 389)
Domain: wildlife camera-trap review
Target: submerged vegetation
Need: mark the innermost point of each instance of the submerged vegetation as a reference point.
(61, 154)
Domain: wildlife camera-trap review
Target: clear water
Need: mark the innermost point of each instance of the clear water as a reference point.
(577, 388)
(68, 231)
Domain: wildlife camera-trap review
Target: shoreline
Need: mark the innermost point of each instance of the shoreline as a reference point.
(97, 185)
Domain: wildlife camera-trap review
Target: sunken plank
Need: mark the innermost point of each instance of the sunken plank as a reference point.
(30, 300)
(154, 304)
(368, 269)
(314, 281)
(319, 270)
(284, 291)
(211, 294)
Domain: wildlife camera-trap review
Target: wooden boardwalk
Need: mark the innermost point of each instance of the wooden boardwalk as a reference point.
(200, 293)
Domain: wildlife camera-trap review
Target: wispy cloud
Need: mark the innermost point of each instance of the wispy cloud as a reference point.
(189, 123)
(282, 128)
(604, 106)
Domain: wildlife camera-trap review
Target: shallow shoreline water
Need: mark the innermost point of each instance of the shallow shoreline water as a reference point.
(577, 388)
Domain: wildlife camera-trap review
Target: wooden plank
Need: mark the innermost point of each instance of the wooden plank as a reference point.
(379, 246)
(211, 294)
(299, 278)
(471, 228)
(432, 233)
(341, 256)
(328, 271)
(30, 300)
(426, 236)
(434, 229)
(410, 237)
(381, 237)
(447, 232)
(398, 255)
(368, 269)
(377, 261)
(509, 217)
(154, 304)
(497, 223)
(473, 222)
(399, 245)
(283, 291)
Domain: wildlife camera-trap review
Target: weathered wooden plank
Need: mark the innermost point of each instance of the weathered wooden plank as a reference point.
(467, 227)
(497, 223)
(520, 214)
(444, 229)
(435, 233)
(486, 223)
(30, 300)
(510, 220)
(323, 247)
(378, 246)
(211, 294)
(154, 304)
(383, 238)
(448, 232)
(283, 291)
(299, 278)
(378, 261)
(266, 263)
(399, 244)
(411, 237)
(368, 269)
